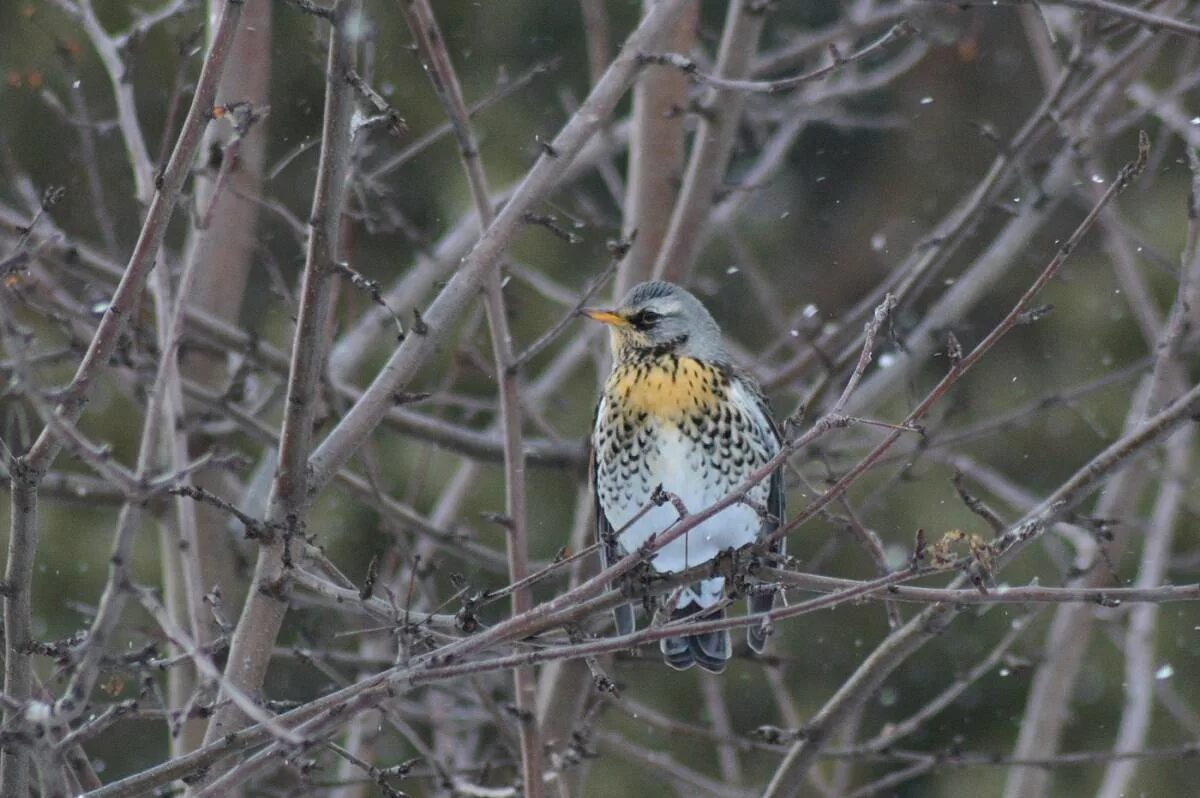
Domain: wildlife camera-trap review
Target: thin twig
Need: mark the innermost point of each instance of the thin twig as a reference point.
(1147, 19)
(431, 45)
(690, 68)
(656, 156)
(711, 145)
(402, 366)
(36, 462)
(1126, 175)
(914, 634)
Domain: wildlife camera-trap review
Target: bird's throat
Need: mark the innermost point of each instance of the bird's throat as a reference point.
(667, 387)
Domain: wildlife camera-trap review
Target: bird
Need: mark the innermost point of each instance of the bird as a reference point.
(677, 417)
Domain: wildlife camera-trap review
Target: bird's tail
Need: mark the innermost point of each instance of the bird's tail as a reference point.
(709, 650)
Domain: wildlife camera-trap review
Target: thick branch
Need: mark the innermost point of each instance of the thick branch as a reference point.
(262, 615)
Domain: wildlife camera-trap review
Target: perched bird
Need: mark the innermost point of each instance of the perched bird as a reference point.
(675, 412)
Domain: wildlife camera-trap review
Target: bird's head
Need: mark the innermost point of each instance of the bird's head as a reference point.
(661, 317)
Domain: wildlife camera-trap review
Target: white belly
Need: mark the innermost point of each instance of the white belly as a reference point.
(700, 466)
(676, 470)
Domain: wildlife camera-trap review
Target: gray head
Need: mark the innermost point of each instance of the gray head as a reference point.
(661, 316)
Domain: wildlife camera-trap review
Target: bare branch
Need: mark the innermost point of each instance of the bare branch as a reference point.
(712, 143)
(408, 357)
(291, 489)
(1147, 19)
(779, 85)
(23, 541)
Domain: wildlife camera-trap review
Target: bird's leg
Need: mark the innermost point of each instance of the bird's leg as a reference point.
(764, 514)
(465, 619)
(638, 584)
(745, 563)
(725, 564)
(660, 611)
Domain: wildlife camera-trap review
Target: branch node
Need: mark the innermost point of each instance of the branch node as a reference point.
(419, 326)
(318, 11)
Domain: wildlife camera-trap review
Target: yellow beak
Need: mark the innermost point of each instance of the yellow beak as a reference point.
(605, 317)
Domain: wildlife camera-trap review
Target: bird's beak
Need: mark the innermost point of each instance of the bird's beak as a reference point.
(605, 317)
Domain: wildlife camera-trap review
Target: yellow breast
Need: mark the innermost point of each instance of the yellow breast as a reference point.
(669, 387)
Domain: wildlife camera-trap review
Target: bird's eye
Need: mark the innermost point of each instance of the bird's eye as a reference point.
(644, 319)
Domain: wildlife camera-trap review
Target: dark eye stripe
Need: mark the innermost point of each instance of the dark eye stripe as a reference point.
(644, 319)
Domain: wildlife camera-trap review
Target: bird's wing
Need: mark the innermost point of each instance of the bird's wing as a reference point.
(756, 636)
(610, 550)
(775, 500)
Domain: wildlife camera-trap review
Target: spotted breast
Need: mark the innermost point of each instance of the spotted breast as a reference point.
(699, 430)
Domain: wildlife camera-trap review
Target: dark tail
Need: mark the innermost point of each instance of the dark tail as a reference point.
(623, 615)
(710, 650)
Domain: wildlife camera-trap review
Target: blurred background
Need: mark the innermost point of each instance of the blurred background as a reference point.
(858, 191)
